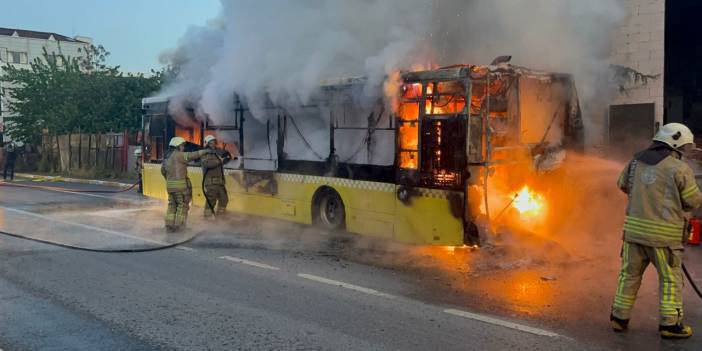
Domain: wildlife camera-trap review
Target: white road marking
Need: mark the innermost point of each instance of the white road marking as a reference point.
(502, 323)
(114, 198)
(250, 263)
(345, 285)
(185, 248)
(81, 225)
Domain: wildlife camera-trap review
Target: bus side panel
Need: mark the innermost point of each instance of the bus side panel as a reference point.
(295, 197)
(369, 206)
(195, 176)
(153, 182)
(266, 197)
(427, 219)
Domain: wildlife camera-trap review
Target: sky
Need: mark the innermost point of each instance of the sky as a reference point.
(135, 32)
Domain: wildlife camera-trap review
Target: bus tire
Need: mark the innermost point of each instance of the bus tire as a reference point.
(328, 210)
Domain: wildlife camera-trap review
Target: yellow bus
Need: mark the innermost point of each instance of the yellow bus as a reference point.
(411, 166)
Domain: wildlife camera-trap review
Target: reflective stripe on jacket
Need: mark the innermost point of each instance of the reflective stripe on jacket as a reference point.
(175, 169)
(659, 196)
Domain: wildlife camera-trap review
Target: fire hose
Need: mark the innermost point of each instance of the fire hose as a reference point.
(689, 278)
(80, 248)
(68, 190)
(207, 199)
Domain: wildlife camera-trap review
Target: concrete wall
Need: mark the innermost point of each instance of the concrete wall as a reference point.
(639, 44)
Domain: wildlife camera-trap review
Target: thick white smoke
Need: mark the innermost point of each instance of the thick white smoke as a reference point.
(565, 36)
(285, 48)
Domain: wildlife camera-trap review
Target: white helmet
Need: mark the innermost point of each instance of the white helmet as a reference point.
(675, 135)
(176, 141)
(137, 152)
(209, 138)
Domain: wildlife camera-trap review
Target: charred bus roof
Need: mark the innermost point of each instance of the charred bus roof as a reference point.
(159, 104)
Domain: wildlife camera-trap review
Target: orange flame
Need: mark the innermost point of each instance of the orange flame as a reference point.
(528, 203)
(408, 111)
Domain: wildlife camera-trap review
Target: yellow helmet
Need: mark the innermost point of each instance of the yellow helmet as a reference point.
(176, 141)
(675, 135)
(209, 138)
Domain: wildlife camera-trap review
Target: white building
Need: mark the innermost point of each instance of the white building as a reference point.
(19, 47)
(659, 39)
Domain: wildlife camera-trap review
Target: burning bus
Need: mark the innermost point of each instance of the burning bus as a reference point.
(412, 163)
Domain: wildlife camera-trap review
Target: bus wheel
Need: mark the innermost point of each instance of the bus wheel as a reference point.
(331, 213)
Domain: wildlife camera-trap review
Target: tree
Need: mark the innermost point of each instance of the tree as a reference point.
(62, 94)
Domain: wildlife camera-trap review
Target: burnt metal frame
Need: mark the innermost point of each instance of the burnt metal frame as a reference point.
(424, 78)
(333, 127)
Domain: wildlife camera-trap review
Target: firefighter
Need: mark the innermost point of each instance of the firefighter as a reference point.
(138, 165)
(213, 178)
(661, 188)
(10, 158)
(178, 186)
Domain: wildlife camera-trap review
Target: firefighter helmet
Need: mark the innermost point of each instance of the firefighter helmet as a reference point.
(209, 138)
(675, 135)
(176, 141)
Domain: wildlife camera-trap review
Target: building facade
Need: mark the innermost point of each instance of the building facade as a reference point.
(20, 47)
(638, 58)
(658, 53)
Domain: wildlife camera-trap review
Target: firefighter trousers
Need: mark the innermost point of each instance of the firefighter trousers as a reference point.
(668, 263)
(178, 207)
(216, 199)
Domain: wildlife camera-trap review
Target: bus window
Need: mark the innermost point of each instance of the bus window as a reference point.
(409, 132)
(408, 126)
(409, 159)
(445, 98)
(409, 111)
(412, 91)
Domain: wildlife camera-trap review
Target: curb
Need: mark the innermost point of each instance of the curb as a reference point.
(74, 180)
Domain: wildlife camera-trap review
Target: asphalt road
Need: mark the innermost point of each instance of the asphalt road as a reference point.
(252, 284)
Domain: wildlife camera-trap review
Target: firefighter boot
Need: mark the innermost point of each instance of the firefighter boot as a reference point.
(678, 331)
(619, 325)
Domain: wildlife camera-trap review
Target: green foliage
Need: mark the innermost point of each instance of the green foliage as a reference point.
(61, 94)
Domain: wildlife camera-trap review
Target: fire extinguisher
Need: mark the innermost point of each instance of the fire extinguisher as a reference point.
(694, 232)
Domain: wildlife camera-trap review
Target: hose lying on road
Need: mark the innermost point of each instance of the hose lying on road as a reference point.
(73, 247)
(52, 188)
(80, 248)
(689, 278)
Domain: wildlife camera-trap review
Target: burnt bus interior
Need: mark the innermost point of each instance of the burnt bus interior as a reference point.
(159, 127)
(444, 125)
(469, 118)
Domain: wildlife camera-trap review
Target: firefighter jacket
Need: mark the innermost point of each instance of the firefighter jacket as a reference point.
(661, 188)
(212, 169)
(175, 169)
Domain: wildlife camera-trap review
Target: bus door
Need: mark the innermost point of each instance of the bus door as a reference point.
(432, 134)
(432, 143)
